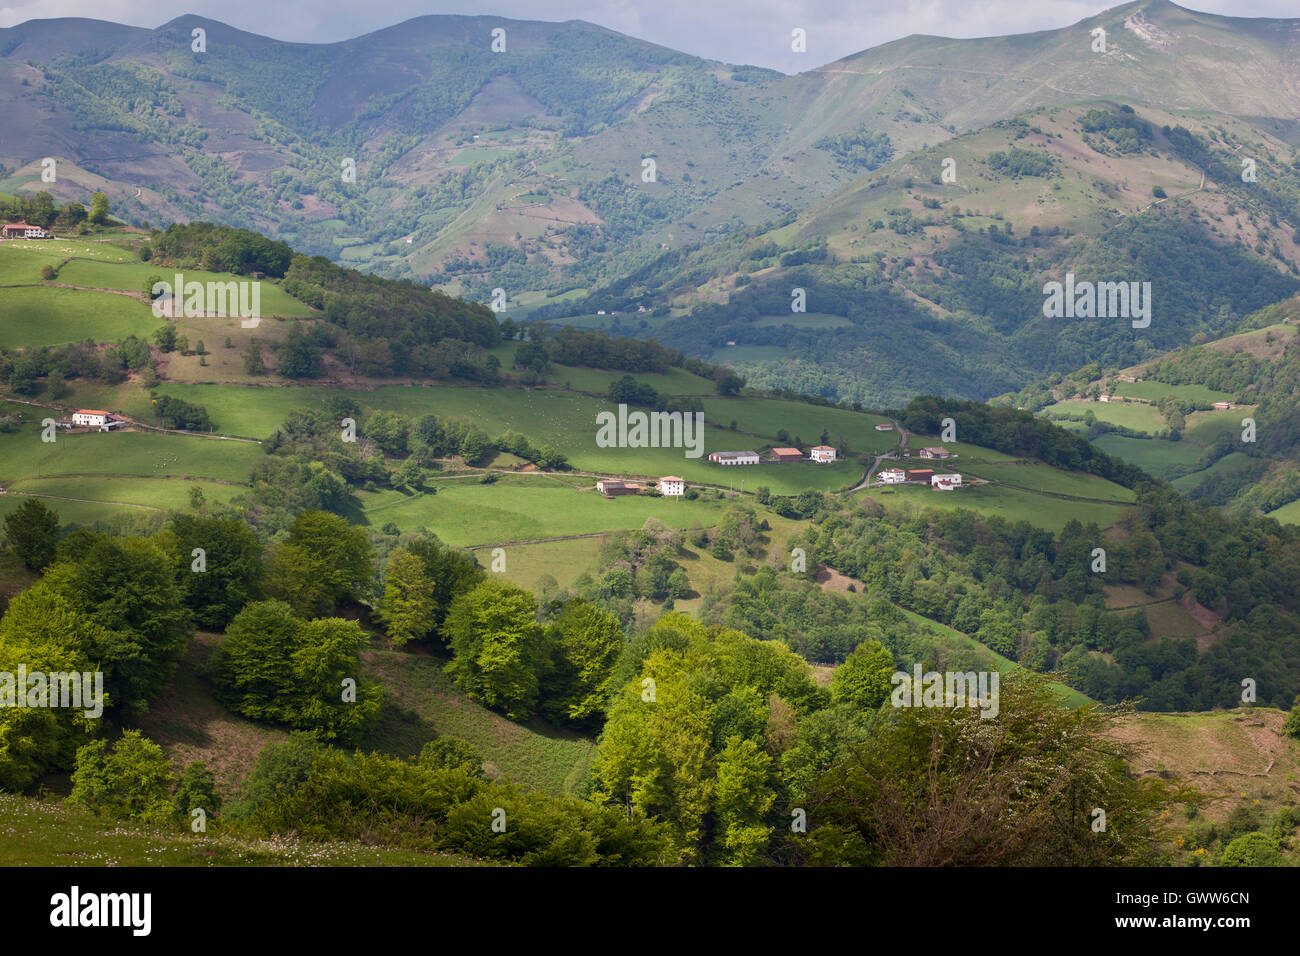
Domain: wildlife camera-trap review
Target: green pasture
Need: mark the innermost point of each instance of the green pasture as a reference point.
(158, 493)
(147, 454)
(1011, 504)
(1036, 476)
(465, 512)
(764, 417)
(1156, 456)
(36, 316)
(1139, 417)
(1154, 391)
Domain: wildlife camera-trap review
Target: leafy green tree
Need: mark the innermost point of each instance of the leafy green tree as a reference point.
(32, 531)
(288, 578)
(952, 786)
(864, 678)
(410, 475)
(498, 647)
(274, 666)
(254, 364)
(742, 798)
(196, 789)
(128, 585)
(165, 338)
(1252, 849)
(453, 572)
(22, 377)
(130, 778)
(586, 642)
(232, 557)
(1291, 725)
(335, 557)
(99, 208)
(280, 765)
(407, 611)
(42, 632)
(389, 431)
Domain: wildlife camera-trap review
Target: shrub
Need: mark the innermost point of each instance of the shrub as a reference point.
(128, 778)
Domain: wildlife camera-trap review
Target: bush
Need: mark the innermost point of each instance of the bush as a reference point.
(1291, 726)
(1253, 849)
(274, 666)
(197, 789)
(130, 778)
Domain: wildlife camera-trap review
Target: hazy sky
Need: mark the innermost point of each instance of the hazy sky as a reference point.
(736, 31)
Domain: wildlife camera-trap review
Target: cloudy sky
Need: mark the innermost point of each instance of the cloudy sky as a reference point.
(735, 31)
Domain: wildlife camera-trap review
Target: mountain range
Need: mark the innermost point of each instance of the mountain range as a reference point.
(866, 230)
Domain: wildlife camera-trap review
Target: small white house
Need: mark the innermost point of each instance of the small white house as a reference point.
(90, 418)
(892, 476)
(945, 482)
(822, 453)
(884, 428)
(734, 458)
(670, 486)
(935, 451)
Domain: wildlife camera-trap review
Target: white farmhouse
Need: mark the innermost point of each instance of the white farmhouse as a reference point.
(892, 476)
(945, 482)
(670, 486)
(822, 453)
(90, 418)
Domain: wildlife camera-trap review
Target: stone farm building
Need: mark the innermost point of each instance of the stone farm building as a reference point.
(612, 488)
(945, 482)
(734, 458)
(822, 453)
(935, 451)
(21, 230)
(670, 486)
(787, 454)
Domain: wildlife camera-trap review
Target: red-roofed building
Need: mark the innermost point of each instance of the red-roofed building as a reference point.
(21, 230)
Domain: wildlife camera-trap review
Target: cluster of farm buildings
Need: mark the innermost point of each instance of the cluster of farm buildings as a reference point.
(823, 454)
(671, 486)
(922, 476)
